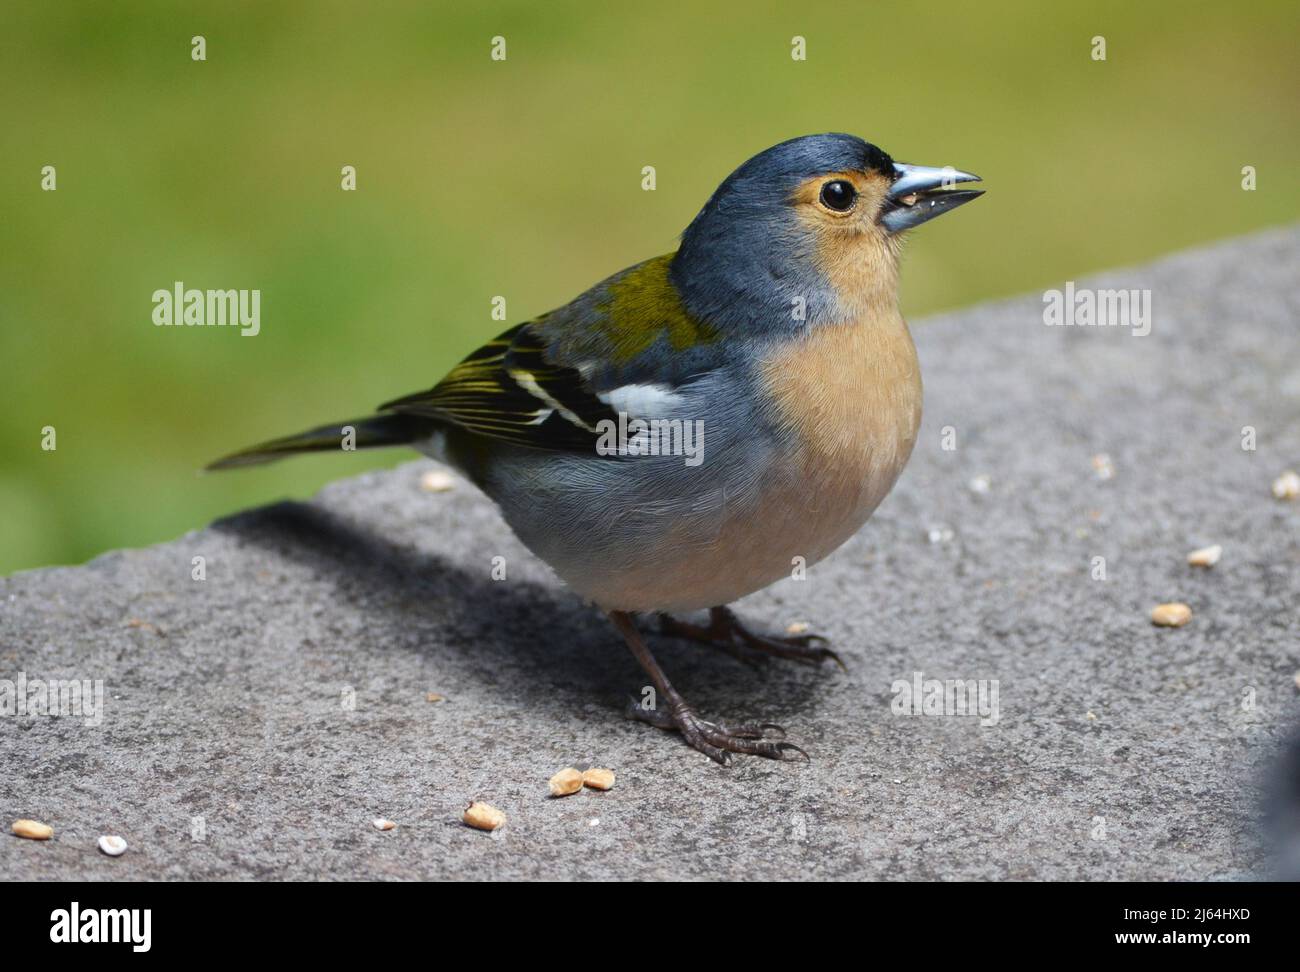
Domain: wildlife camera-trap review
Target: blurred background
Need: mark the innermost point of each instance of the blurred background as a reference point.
(522, 178)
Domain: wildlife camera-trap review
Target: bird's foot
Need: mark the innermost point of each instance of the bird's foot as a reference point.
(726, 633)
(718, 740)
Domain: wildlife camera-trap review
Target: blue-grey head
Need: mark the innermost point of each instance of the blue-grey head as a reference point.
(807, 232)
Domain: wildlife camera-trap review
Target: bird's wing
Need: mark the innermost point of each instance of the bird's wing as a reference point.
(506, 390)
(548, 383)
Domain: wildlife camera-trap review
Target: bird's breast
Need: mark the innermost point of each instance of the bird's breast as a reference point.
(847, 398)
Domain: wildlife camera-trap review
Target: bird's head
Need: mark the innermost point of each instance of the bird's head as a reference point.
(807, 232)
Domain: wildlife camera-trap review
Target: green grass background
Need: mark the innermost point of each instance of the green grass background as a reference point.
(522, 178)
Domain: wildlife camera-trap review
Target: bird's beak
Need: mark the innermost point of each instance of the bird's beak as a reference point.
(921, 193)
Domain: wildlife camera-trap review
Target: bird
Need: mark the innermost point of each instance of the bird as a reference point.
(699, 425)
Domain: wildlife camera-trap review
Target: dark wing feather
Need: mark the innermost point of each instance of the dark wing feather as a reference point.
(507, 390)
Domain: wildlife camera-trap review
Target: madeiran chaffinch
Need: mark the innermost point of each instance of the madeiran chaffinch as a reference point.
(685, 431)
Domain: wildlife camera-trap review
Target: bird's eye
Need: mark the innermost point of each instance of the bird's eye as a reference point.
(839, 195)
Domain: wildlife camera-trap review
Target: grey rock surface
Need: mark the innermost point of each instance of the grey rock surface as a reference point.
(256, 722)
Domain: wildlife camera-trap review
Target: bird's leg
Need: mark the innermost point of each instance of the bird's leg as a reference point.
(715, 740)
(724, 631)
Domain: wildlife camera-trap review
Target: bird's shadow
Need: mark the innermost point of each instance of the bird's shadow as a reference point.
(540, 646)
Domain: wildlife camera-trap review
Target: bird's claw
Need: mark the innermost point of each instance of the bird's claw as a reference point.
(719, 740)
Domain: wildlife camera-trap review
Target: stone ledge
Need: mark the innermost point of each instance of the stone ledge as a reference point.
(1123, 750)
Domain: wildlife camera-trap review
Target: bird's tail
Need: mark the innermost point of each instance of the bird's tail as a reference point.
(367, 433)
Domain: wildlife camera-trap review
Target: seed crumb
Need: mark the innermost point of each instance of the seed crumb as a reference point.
(33, 829)
(112, 845)
(437, 481)
(598, 779)
(1102, 466)
(566, 781)
(796, 627)
(1206, 556)
(433, 697)
(382, 823)
(482, 816)
(1287, 486)
(1173, 615)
